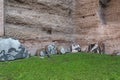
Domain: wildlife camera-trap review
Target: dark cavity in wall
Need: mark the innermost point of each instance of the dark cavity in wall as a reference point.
(103, 4)
(48, 30)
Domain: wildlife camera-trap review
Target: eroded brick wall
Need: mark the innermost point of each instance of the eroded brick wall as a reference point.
(86, 21)
(39, 22)
(112, 29)
(89, 28)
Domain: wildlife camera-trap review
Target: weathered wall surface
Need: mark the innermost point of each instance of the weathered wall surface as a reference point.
(113, 28)
(89, 28)
(40, 22)
(1, 17)
(86, 20)
(38, 19)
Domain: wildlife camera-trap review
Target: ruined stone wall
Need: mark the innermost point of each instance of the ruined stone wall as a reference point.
(38, 19)
(40, 22)
(89, 28)
(86, 20)
(113, 26)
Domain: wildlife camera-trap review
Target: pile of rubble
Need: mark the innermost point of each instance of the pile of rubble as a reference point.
(12, 49)
(73, 48)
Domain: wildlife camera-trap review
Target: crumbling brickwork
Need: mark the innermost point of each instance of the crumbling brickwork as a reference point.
(39, 22)
(45, 21)
(86, 19)
(89, 27)
(39, 19)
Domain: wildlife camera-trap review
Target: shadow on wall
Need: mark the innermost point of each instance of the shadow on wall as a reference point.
(103, 4)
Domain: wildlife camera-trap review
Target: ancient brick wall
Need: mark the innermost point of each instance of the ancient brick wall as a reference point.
(89, 28)
(40, 22)
(86, 20)
(39, 19)
(113, 26)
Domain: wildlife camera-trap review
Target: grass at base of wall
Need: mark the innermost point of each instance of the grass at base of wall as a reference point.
(63, 67)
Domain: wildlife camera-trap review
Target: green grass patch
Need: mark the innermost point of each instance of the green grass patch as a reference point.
(63, 67)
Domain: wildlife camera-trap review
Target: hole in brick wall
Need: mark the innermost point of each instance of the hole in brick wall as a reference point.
(93, 14)
(53, 40)
(83, 16)
(49, 31)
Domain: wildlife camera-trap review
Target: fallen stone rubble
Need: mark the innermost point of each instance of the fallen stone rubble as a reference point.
(53, 49)
(97, 48)
(73, 48)
(11, 49)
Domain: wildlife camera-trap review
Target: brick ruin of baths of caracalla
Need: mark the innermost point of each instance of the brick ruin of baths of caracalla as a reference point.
(39, 22)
